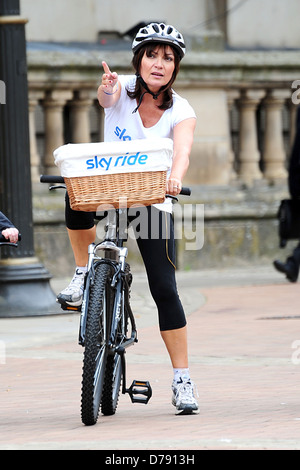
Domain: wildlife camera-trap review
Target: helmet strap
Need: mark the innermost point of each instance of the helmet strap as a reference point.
(144, 84)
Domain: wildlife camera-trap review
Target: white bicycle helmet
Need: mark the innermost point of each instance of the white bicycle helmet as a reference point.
(160, 32)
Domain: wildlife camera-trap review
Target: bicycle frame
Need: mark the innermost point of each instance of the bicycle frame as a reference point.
(110, 251)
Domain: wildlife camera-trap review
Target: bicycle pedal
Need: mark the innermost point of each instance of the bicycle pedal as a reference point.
(142, 388)
(69, 308)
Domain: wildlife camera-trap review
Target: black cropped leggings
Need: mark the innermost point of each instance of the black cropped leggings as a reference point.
(154, 232)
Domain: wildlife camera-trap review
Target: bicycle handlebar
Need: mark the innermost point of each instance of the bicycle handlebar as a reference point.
(60, 180)
(4, 241)
(51, 179)
(185, 191)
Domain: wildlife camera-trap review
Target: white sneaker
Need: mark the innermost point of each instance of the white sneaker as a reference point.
(184, 398)
(73, 294)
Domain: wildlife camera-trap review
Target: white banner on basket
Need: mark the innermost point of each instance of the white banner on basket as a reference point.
(75, 160)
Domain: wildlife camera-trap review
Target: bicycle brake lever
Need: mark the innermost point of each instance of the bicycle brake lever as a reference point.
(172, 197)
(8, 244)
(60, 186)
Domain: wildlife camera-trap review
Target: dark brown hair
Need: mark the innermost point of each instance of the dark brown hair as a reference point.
(139, 89)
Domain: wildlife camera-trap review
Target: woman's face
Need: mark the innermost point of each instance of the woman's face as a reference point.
(157, 67)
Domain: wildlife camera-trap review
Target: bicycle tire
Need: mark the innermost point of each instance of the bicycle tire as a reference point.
(114, 370)
(112, 385)
(95, 353)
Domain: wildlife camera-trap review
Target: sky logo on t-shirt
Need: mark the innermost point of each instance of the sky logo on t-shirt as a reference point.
(107, 163)
(121, 134)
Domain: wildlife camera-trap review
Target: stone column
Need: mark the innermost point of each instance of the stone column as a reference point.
(232, 96)
(274, 154)
(53, 105)
(293, 108)
(35, 159)
(249, 154)
(80, 120)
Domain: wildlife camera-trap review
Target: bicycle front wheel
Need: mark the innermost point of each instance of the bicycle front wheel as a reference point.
(95, 353)
(114, 369)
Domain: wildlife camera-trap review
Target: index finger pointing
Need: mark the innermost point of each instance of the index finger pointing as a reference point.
(106, 67)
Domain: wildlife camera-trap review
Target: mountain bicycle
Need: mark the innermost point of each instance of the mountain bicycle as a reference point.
(107, 324)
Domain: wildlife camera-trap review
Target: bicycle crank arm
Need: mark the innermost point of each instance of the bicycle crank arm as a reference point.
(140, 391)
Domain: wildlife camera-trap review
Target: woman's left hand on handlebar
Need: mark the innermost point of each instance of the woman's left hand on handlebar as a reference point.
(173, 186)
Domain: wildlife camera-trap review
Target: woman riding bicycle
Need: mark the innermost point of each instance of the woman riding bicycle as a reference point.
(137, 107)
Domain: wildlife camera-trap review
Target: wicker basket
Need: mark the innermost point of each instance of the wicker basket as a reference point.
(101, 192)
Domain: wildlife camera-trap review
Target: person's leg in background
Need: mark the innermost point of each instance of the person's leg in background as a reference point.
(291, 266)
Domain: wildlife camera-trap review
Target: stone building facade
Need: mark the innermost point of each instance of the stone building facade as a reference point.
(240, 77)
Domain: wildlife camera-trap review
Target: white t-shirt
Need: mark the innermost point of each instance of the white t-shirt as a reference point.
(121, 124)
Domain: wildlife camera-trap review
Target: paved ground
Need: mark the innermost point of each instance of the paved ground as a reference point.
(244, 339)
